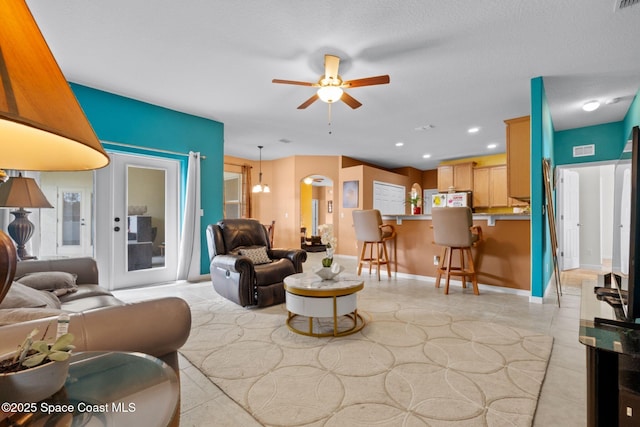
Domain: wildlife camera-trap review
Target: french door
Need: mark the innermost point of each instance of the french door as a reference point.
(74, 237)
(137, 204)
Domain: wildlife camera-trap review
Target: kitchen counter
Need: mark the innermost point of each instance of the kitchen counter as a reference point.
(491, 218)
(502, 259)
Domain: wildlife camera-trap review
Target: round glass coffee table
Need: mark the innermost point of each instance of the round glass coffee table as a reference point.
(107, 389)
(309, 296)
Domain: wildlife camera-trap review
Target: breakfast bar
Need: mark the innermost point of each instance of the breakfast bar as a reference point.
(503, 258)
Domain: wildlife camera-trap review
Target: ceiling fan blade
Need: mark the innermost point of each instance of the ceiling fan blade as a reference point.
(308, 102)
(367, 81)
(293, 82)
(331, 64)
(350, 100)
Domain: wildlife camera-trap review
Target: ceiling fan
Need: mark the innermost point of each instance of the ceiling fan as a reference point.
(331, 86)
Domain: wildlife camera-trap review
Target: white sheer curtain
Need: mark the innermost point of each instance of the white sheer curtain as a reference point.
(189, 255)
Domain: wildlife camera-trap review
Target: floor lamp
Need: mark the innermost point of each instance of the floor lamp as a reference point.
(42, 126)
(19, 192)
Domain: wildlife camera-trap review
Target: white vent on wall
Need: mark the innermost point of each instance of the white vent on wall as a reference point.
(584, 150)
(621, 4)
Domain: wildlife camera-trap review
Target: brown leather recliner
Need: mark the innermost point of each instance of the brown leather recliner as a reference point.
(235, 276)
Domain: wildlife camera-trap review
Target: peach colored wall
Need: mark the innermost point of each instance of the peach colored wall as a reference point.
(347, 244)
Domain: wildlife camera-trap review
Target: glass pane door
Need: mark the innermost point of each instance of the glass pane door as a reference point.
(138, 225)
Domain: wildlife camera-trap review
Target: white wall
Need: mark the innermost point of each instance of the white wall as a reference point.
(606, 212)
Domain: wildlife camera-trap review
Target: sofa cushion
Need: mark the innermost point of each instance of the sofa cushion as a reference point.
(21, 296)
(257, 255)
(58, 282)
(9, 316)
(91, 303)
(85, 291)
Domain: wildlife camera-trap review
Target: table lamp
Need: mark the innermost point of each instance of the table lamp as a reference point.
(42, 126)
(19, 192)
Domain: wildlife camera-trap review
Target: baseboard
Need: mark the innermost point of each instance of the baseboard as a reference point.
(458, 283)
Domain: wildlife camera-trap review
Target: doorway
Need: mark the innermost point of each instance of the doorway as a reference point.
(316, 207)
(585, 218)
(137, 220)
(69, 226)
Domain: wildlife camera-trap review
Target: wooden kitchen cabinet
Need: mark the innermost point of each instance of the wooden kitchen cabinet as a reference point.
(519, 157)
(490, 187)
(459, 176)
(445, 178)
(481, 187)
(498, 186)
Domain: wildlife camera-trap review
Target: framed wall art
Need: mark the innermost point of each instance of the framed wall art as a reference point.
(350, 194)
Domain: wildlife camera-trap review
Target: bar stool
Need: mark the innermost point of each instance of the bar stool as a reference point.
(373, 233)
(453, 228)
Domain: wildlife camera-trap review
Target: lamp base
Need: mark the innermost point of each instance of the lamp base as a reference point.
(21, 230)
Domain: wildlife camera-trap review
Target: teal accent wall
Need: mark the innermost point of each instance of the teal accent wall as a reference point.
(606, 138)
(631, 119)
(124, 120)
(542, 142)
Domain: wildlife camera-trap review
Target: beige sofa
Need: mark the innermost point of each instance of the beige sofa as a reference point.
(98, 320)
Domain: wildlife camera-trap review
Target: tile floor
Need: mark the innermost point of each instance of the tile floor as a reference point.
(563, 396)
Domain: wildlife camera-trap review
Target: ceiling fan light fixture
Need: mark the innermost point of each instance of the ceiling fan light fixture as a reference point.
(330, 94)
(591, 105)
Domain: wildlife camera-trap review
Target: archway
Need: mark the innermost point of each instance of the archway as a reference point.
(415, 199)
(316, 208)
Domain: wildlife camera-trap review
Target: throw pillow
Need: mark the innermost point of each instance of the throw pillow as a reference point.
(21, 296)
(256, 255)
(58, 282)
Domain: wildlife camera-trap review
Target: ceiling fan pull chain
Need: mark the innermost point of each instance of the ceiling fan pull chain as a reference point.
(329, 118)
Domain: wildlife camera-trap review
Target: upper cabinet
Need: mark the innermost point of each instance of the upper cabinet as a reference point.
(490, 187)
(458, 176)
(519, 157)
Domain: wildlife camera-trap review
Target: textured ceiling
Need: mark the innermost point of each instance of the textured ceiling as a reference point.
(453, 65)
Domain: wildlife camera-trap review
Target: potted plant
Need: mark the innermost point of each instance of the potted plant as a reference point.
(414, 200)
(36, 370)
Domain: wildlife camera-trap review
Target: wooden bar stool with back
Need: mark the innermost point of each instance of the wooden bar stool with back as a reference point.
(373, 233)
(453, 228)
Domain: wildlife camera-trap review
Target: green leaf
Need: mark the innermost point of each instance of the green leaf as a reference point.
(63, 342)
(34, 360)
(59, 356)
(40, 346)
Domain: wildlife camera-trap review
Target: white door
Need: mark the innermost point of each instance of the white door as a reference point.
(74, 236)
(137, 215)
(569, 219)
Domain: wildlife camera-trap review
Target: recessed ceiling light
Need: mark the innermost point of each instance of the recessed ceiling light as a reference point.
(399, 144)
(425, 127)
(591, 105)
(426, 156)
(492, 146)
(284, 140)
(474, 130)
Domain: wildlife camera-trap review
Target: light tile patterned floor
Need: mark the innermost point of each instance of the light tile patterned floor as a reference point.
(563, 396)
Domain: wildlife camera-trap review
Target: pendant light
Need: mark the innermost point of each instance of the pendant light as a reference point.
(259, 187)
